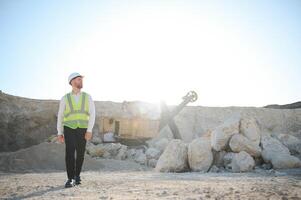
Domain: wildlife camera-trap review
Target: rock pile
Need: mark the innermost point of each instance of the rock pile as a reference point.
(237, 145)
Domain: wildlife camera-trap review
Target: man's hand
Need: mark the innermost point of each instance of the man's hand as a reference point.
(88, 136)
(60, 138)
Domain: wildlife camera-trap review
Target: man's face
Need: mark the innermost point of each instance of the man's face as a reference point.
(77, 82)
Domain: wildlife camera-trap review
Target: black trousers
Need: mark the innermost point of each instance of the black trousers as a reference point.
(75, 142)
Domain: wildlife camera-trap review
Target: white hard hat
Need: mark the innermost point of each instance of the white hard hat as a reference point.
(73, 76)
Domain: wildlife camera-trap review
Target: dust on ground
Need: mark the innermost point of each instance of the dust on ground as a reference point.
(152, 185)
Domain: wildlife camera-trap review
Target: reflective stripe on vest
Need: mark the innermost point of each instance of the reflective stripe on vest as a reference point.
(76, 115)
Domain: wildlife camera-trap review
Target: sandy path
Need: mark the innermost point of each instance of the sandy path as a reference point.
(151, 185)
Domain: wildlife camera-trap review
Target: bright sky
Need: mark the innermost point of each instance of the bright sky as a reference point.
(232, 53)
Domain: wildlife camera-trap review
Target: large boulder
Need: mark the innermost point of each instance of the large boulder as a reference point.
(242, 162)
(291, 142)
(174, 158)
(277, 154)
(200, 156)
(250, 129)
(221, 135)
(240, 143)
(281, 162)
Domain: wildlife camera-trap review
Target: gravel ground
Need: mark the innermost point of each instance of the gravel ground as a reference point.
(152, 185)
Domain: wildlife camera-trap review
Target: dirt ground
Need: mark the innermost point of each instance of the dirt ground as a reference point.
(152, 185)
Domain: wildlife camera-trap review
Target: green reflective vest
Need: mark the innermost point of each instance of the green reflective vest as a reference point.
(76, 115)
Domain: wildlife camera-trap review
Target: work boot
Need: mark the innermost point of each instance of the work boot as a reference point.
(70, 183)
(77, 180)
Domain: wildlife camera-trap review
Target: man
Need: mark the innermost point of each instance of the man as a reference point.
(76, 117)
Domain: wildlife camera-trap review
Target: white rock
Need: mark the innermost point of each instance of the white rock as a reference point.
(108, 150)
(240, 143)
(280, 162)
(95, 150)
(174, 158)
(200, 156)
(278, 154)
(152, 153)
(291, 142)
(112, 148)
(250, 129)
(221, 135)
(242, 162)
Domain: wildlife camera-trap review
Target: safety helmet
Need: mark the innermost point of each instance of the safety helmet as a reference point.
(73, 76)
